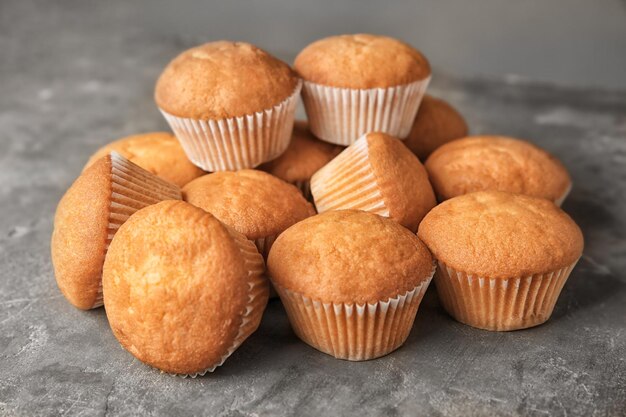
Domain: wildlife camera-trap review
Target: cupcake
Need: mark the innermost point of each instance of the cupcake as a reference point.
(502, 258)
(496, 163)
(437, 122)
(355, 84)
(182, 291)
(486, 163)
(88, 216)
(252, 202)
(156, 152)
(351, 282)
(304, 156)
(377, 174)
(230, 104)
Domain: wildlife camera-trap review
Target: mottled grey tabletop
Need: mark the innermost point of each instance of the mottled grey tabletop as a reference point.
(64, 93)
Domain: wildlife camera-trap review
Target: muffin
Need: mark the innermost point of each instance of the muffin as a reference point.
(305, 155)
(502, 258)
(377, 174)
(156, 152)
(252, 202)
(437, 122)
(88, 216)
(355, 84)
(351, 282)
(182, 291)
(486, 163)
(230, 104)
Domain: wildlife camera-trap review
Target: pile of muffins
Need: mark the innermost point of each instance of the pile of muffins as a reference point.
(339, 219)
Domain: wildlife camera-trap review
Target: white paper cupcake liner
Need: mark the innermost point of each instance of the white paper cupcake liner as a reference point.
(348, 182)
(132, 188)
(264, 245)
(99, 301)
(258, 291)
(238, 142)
(559, 201)
(350, 331)
(342, 115)
(500, 304)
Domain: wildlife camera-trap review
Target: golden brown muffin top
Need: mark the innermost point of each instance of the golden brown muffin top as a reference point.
(437, 122)
(494, 234)
(223, 79)
(402, 179)
(305, 155)
(175, 287)
(349, 256)
(481, 163)
(252, 202)
(157, 152)
(80, 234)
(361, 61)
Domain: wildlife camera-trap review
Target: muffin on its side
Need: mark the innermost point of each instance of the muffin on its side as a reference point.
(254, 203)
(305, 155)
(355, 84)
(502, 258)
(88, 216)
(182, 291)
(497, 163)
(351, 282)
(156, 152)
(230, 104)
(437, 122)
(377, 174)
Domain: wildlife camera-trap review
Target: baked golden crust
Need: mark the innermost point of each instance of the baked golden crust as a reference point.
(175, 287)
(437, 122)
(80, 235)
(361, 61)
(89, 214)
(495, 234)
(349, 256)
(401, 178)
(157, 152)
(305, 155)
(252, 202)
(223, 79)
(480, 163)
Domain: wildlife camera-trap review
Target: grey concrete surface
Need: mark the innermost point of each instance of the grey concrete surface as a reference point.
(70, 82)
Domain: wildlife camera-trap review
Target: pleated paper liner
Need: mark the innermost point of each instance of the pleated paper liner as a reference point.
(500, 304)
(342, 115)
(350, 331)
(559, 201)
(238, 142)
(348, 182)
(264, 245)
(257, 298)
(132, 188)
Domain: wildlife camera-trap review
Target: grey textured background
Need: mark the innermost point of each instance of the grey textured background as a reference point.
(76, 74)
(567, 42)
